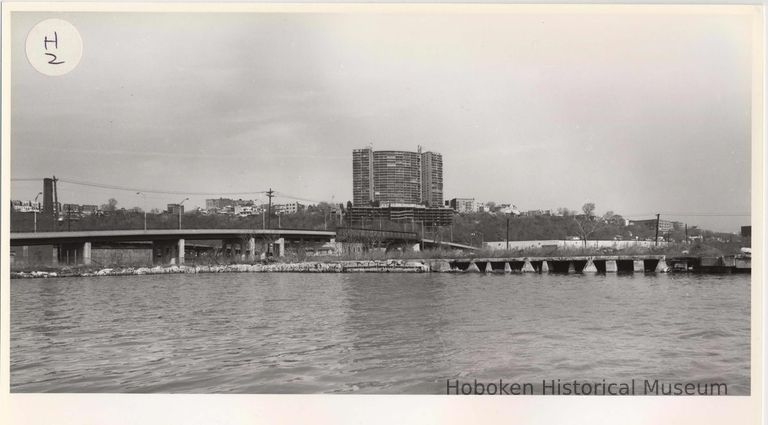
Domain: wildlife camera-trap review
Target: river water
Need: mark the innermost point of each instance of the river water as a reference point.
(374, 333)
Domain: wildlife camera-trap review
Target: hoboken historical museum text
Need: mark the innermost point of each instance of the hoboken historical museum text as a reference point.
(576, 387)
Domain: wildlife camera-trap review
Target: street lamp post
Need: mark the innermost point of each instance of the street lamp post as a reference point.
(34, 211)
(145, 208)
(180, 204)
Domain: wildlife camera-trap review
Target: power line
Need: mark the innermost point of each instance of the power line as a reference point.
(144, 190)
(296, 198)
(27, 179)
(689, 215)
(170, 192)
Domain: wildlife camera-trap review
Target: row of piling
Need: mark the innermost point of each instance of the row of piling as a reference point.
(588, 265)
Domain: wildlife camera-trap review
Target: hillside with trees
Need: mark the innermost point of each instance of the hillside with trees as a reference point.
(470, 228)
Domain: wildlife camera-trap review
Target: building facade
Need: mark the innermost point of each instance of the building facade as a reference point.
(362, 216)
(463, 205)
(397, 177)
(219, 204)
(289, 208)
(362, 176)
(432, 179)
(176, 209)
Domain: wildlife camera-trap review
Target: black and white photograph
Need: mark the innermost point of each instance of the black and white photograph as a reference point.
(446, 200)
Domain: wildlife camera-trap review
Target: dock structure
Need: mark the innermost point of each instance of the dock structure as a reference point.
(600, 264)
(561, 264)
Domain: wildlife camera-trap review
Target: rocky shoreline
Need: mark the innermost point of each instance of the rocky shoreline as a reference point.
(380, 266)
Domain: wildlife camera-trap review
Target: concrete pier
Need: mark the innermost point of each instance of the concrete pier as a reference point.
(590, 267)
(488, 267)
(661, 266)
(473, 267)
(571, 267)
(507, 268)
(544, 267)
(528, 267)
(638, 266)
(610, 266)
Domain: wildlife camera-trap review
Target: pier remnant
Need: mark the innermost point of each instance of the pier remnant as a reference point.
(507, 268)
(589, 267)
(488, 267)
(571, 267)
(610, 266)
(661, 266)
(528, 267)
(544, 267)
(638, 266)
(473, 267)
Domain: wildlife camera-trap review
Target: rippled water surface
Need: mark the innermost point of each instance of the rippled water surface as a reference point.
(373, 333)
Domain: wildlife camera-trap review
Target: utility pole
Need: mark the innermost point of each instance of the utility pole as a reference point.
(657, 229)
(686, 232)
(55, 202)
(507, 232)
(270, 194)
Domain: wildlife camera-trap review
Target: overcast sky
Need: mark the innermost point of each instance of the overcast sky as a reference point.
(638, 113)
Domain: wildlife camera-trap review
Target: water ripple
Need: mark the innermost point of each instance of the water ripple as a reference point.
(373, 333)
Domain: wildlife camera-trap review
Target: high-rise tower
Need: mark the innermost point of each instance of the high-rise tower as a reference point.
(397, 177)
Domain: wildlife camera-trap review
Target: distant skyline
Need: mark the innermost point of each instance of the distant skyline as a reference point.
(638, 113)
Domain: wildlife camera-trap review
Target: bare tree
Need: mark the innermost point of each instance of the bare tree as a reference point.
(587, 222)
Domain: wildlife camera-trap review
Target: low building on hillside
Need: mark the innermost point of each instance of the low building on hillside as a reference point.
(463, 205)
(289, 208)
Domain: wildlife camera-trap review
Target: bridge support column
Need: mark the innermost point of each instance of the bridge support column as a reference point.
(590, 267)
(251, 250)
(662, 267)
(87, 253)
(528, 267)
(571, 267)
(473, 267)
(180, 252)
(638, 266)
(610, 266)
(507, 268)
(55, 256)
(280, 245)
(544, 267)
(488, 267)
